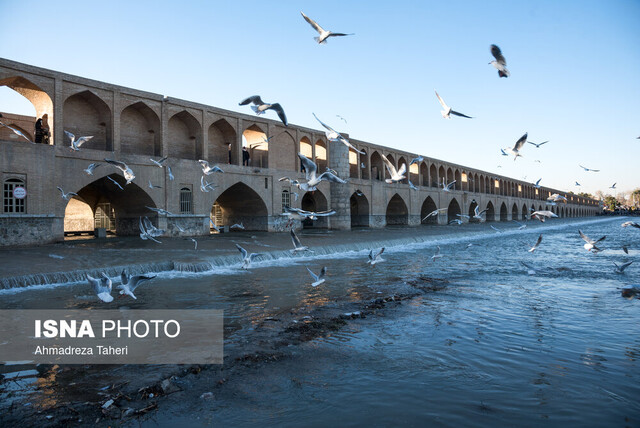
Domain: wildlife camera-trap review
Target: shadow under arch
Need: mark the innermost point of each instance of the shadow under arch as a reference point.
(490, 214)
(397, 212)
(453, 210)
(428, 206)
(315, 201)
(359, 205)
(240, 204)
(85, 113)
(503, 212)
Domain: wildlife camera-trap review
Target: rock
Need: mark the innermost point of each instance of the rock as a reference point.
(169, 387)
(107, 404)
(207, 396)
(128, 412)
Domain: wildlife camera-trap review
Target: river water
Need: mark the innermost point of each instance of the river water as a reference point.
(483, 343)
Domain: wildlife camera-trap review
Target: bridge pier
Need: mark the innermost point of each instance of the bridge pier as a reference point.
(340, 193)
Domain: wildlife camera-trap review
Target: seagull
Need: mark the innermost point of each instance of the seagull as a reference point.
(416, 160)
(324, 34)
(130, 283)
(171, 177)
(499, 63)
(195, 243)
(437, 254)
(625, 249)
(180, 228)
(358, 192)
(300, 214)
(375, 257)
(578, 184)
(456, 221)
(412, 186)
(538, 144)
(613, 186)
(556, 197)
(291, 181)
(631, 223)
(91, 168)
(503, 152)
(515, 151)
(208, 170)
(521, 225)
(153, 186)
(159, 162)
(434, 213)
(75, 144)
(67, 196)
(535, 247)
(550, 203)
(621, 268)
(588, 169)
(590, 243)
(495, 228)
(311, 169)
(463, 216)
(295, 196)
(447, 112)
(115, 182)
(318, 279)
(246, 257)
(128, 173)
(543, 215)
(260, 107)
(297, 245)
(213, 225)
(530, 270)
(537, 185)
(205, 186)
(146, 234)
(447, 187)
(477, 214)
(159, 211)
(342, 118)
(17, 132)
(102, 287)
(396, 175)
(237, 226)
(333, 135)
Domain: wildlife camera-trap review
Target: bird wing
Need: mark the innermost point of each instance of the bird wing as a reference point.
(313, 275)
(460, 114)
(402, 169)
(118, 164)
(442, 103)
(313, 23)
(521, 142)
(601, 239)
(323, 272)
(586, 238)
(538, 241)
(70, 135)
(254, 255)
(624, 266)
(136, 280)
(390, 167)
(255, 99)
(450, 185)
(95, 283)
(278, 109)
(327, 176)
(61, 191)
(324, 213)
(83, 140)
(204, 163)
(325, 125)
(309, 166)
(124, 278)
(497, 54)
(242, 250)
(295, 240)
(526, 265)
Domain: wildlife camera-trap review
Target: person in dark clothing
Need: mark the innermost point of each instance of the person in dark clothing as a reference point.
(39, 131)
(245, 156)
(229, 147)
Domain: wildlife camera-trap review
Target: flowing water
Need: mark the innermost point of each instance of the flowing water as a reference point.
(491, 344)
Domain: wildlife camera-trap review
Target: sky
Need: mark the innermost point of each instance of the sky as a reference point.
(575, 71)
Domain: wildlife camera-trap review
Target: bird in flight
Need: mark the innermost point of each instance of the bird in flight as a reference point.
(297, 245)
(447, 111)
(246, 257)
(75, 144)
(323, 34)
(128, 173)
(333, 135)
(208, 169)
(416, 160)
(537, 144)
(515, 151)
(67, 196)
(447, 187)
(318, 279)
(588, 169)
(499, 63)
(16, 131)
(590, 243)
(375, 257)
(396, 175)
(313, 180)
(613, 186)
(535, 247)
(159, 162)
(91, 168)
(621, 268)
(130, 283)
(102, 287)
(259, 107)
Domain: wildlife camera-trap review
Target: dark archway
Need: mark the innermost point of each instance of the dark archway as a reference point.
(223, 143)
(359, 210)
(185, 134)
(503, 212)
(140, 130)
(472, 212)
(86, 114)
(490, 215)
(314, 202)
(453, 210)
(377, 170)
(514, 212)
(397, 212)
(428, 206)
(242, 205)
(524, 212)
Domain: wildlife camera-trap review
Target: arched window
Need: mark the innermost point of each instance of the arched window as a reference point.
(186, 201)
(10, 203)
(286, 199)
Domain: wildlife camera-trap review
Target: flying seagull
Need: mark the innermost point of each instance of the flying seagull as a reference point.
(537, 185)
(313, 180)
(613, 186)
(578, 184)
(333, 135)
(318, 279)
(102, 287)
(375, 257)
(437, 254)
(207, 169)
(499, 63)
(447, 187)
(456, 221)
(171, 177)
(631, 223)
(447, 111)
(477, 214)
(237, 226)
(621, 268)
(543, 215)
(535, 247)
(153, 186)
(297, 245)
(495, 228)
(300, 214)
(67, 196)
(323, 34)
(530, 270)
(128, 173)
(590, 243)
(434, 213)
(396, 175)
(503, 152)
(16, 131)
(625, 249)
(260, 107)
(205, 186)
(538, 144)
(246, 257)
(515, 151)
(75, 144)
(416, 160)
(520, 225)
(91, 168)
(588, 169)
(213, 225)
(115, 182)
(145, 234)
(556, 197)
(130, 283)
(159, 162)
(412, 186)
(159, 211)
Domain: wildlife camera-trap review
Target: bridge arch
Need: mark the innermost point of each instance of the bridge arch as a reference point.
(306, 148)
(433, 176)
(424, 174)
(283, 154)
(354, 163)
(185, 135)
(458, 177)
(222, 144)
(377, 169)
(85, 114)
(503, 212)
(397, 212)
(490, 215)
(442, 175)
(315, 201)
(428, 206)
(514, 211)
(255, 140)
(239, 203)
(140, 130)
(524, 212)
(453, 210)
(40, 99)
(322, 156)
(359, 210)
(472, 211)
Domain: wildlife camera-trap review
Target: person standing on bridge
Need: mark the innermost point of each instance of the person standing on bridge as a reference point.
(245, 156)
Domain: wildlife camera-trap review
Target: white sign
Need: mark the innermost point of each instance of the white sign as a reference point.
(19, 192)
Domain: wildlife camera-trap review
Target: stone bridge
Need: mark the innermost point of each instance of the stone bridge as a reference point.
(134, 126)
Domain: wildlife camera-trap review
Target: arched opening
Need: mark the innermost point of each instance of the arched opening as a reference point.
(424, 174)
(363, 165)
(240, 204)
(377, 170)
(397, 212)
(503, 212)
(255, 140)
(87, 114)
(314, 202)
(450, 176)
(284, 155)
(458, 178)
(428, 206)
(476, 183)
(433, 176)
(31, 101)
(321, 156)
(79, 218)
(354, 163)
(472, 212)
(391, 159)
(140, 130)
(514, 212)
(453, 210)
(359, 210)
(490, 215)
(185, 135)
(524, 212)
(222, 144)
(402, 161)
(306, 149)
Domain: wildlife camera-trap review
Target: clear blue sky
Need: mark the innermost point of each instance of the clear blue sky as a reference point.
(575, 71)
